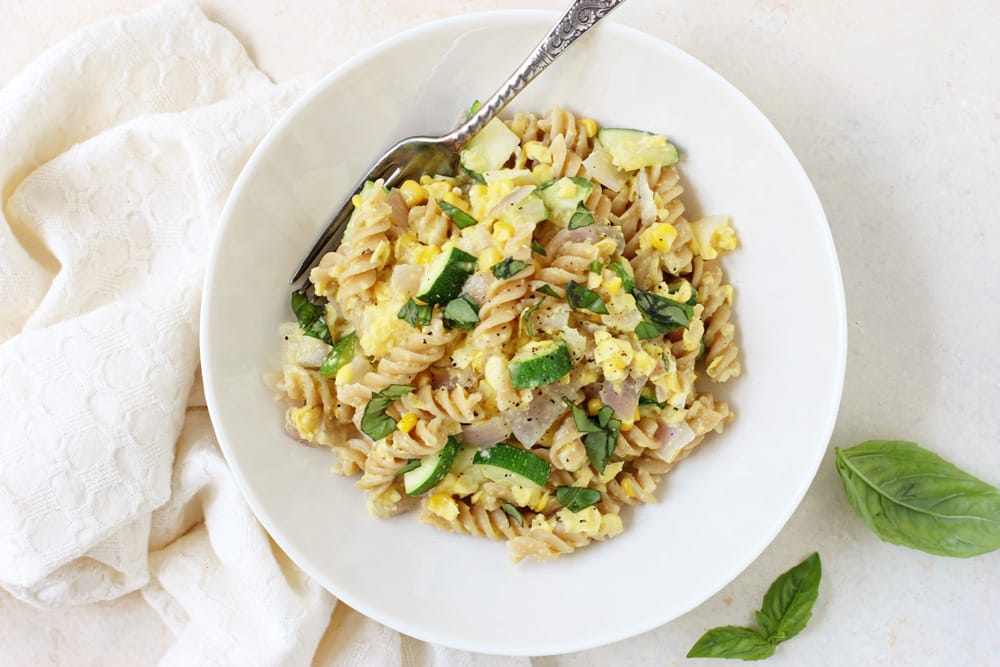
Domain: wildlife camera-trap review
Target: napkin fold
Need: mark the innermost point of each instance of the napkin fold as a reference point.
(119, 147)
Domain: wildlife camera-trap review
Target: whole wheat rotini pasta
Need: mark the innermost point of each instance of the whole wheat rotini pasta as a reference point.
(518, 350)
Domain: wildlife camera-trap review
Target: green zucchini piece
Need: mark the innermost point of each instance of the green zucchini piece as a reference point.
(562, 196)
(519, 465)
(431, 470)
(539, 363)
(634, 149)
(490, 148)
(445, 275)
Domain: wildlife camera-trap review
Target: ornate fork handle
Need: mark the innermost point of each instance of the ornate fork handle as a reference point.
(581, 16)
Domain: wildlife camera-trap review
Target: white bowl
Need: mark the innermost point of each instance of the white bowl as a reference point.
(718, 510)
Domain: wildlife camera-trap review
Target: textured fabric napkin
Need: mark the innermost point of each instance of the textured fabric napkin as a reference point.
(117, 151)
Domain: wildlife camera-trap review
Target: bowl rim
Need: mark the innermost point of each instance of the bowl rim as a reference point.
(213, 396)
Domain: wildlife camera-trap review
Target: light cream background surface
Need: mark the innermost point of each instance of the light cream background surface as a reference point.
(894, 110)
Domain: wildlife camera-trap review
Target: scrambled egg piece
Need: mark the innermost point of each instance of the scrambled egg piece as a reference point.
(443, 505)
(614, 355)
(713, 236)
(306, 421)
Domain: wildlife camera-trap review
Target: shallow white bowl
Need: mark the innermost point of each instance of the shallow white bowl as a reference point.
(718, 510)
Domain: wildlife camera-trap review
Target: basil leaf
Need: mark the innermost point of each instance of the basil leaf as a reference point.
(512, 512)
(596, 266)
(663, 312)
(912, 497)
(646, 330)
(646, 399)
(529, 327)
(474, 175)
(730, 641)
(547, 289)
(416, 315)
(462, 312)
(600, 446)
(339, 355)
(628, 280)
(537, 247)
(412, 464)
(576, 498)
(579, 296)
(581, 418)
(473, 109)
(311, 318)
(508, 267)
(375, 423)
(457, 215)
(581, 218)
(788, 603)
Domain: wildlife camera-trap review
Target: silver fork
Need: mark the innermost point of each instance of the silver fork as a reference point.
(415, 156)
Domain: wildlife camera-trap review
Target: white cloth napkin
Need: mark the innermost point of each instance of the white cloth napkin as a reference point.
(117, 151)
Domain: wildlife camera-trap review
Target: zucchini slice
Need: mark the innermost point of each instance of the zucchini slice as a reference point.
(635, 149)
(445, 275)
(490, 148)
(518, 465)
(431, 470)
(562, 196)
(539, 363)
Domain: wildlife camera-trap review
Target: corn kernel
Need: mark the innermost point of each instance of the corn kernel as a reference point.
(407, 422)
(425, 254)
(542, 503)
(589, 126)
(438, 189)
(660, 236)
(543, 172)
(443, 505)
(594, 406)
(628, 487)
(412, 192)
(502, 231)
(456, 200)
(345, 375)
(488, 258)
(426, 179)
(613, 285)
(537, 151)
(627, 425)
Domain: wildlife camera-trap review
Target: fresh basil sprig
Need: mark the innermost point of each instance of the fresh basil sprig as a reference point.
(462, 312)
(375, 423)
(576, 498)
(339, 355)
(581, 217)
(412, 464)
(648, 399)
(529, 327)
(660, 315)
(457, 215)
(600, 433)
(596, 266)
(311, 318)
(512, 512)
(579, 296)
(912, 497)
(549, 290)
(508, 267)
(628, 280)
(537, 248)
(784, 613)
(415, 314)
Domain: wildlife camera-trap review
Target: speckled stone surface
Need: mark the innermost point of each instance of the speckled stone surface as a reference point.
(894, 110)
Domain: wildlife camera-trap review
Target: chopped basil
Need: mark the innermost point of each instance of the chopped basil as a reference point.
(529, 328)
(547, 289)
(595, 266)
(457, 215)
(576, 498)
(628, 280)
(473, 109)
(600, 433)
(660, 314)
(647, 399)
(375, 423)
(581, 218)
(416, 315)
(579, 296)
(512, 512)
(311, 318)
(462, 312)
(702, 349)
(537, 247)
(412, 464)
(508, 267)
(339, 355)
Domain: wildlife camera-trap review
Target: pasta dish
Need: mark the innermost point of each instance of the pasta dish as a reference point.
(519, 351)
